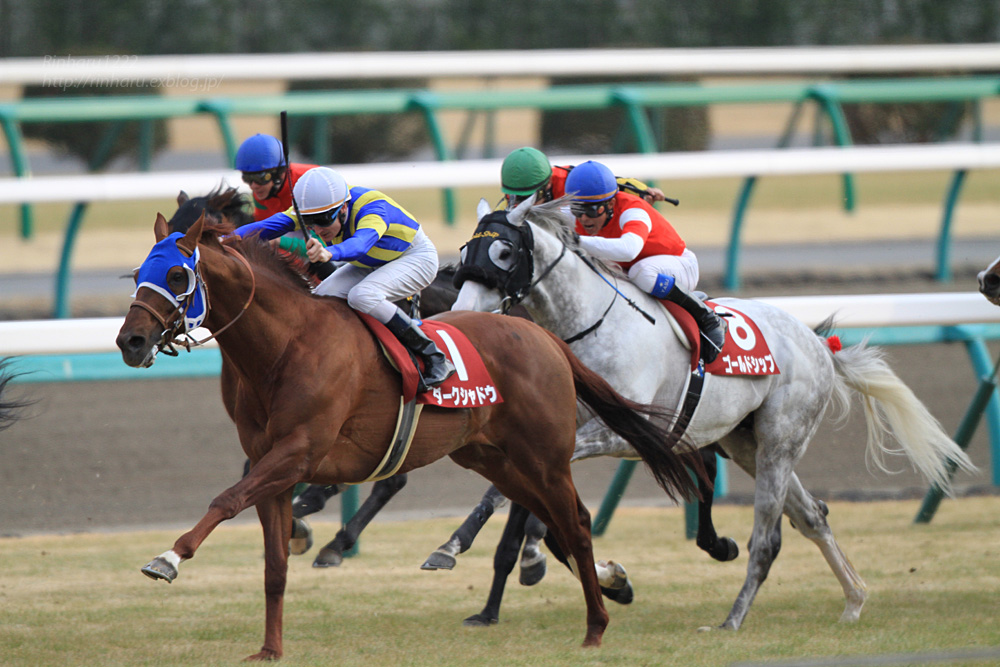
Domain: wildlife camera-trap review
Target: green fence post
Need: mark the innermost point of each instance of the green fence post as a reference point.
(612, 496)
(348, 508)
(966, 429)
(19, 162)
(220, 109)
(943, 274)
(825, 95)
(101, 155)
(731, 279)
(425, 103)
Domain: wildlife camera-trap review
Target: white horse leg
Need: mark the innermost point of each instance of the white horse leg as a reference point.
(765, 540)
(808, 516)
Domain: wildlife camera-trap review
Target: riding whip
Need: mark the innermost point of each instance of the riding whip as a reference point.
(288, 175)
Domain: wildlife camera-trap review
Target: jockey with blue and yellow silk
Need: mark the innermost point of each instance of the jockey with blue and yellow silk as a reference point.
(625, 229)
(386, 255)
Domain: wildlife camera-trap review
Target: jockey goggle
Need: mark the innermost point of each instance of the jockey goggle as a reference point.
(262, 177)
(324, 219)
(589, 210)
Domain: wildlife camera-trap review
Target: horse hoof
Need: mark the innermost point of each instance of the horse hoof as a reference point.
(302, 537)
(328, 558)
(623, 595)
(726, 550)
(439, 560)
(479, 621)
(159, 568)
(533, 572)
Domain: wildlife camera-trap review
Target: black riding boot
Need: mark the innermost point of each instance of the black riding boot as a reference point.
(713, 327)
(437, 367)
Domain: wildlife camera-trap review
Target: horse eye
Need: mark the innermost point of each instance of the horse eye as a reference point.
(501, 254)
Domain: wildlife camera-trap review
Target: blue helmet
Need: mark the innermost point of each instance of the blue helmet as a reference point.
(260, 153)
(591, 182)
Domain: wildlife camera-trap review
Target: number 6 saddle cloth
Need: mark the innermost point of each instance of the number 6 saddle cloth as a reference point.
(744, 352)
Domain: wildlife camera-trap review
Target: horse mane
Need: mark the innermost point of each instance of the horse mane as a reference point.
(264, 257)
(224, 203)
(553, 218)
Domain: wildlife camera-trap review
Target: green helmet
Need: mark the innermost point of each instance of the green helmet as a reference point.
(524, 172)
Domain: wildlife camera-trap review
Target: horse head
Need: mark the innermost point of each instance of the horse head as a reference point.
(989, 282)
(170, 297)
(497, 269)
(220, 205)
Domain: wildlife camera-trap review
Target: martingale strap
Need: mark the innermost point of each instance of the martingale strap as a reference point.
(406, 426)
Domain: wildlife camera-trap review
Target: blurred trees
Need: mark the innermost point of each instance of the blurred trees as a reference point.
(145, 27)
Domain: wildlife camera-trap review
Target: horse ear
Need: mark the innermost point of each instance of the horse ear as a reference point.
(189, 243)
(160, 228)
(520, 212)
(483, 209)
(182, 197)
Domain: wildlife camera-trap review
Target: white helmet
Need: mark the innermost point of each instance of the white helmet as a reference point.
(320, 189)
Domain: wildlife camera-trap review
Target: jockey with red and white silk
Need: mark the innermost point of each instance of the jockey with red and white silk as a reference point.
(625, 229)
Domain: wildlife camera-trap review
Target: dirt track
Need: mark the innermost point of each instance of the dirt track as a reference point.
(154, 453)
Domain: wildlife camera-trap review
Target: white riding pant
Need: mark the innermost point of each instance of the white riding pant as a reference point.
(683, 267)
(372, 291)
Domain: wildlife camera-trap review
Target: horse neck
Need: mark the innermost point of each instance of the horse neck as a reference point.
(571, 296)
(254, 339)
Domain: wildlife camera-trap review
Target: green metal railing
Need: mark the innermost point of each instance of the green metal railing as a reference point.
(636, 100)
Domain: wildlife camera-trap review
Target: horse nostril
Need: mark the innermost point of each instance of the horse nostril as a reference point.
(989, 282)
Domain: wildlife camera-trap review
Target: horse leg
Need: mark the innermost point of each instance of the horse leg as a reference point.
(332, 555)
(503, 564)
(275, 518)
(567, 517)
(443, 558)
(615, 584)
(720, 548)
(808, 516)
(532, 559)
(765, 541)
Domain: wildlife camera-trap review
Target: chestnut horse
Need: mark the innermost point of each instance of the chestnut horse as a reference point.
(317, 402)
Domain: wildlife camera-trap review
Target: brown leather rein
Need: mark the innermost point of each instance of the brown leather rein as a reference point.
(170, 333)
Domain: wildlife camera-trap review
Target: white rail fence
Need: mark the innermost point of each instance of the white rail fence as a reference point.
(203, 70)
(465, 173)
(95, 335)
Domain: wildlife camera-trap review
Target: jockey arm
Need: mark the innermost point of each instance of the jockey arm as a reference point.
(268, 228)
(623, 249)
(622, 239)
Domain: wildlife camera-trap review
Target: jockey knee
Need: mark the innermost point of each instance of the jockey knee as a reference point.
(364, 299)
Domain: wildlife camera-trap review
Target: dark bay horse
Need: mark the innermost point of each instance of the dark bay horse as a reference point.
(11, 409)
(316, 401)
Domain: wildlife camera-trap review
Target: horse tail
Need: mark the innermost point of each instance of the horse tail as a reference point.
(10, 410)
(891, 407)
(665, 453)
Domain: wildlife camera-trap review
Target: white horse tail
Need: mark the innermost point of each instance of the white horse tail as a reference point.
(891, 407)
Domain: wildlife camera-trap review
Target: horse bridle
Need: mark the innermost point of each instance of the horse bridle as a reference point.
(171, 330)
(517, 282)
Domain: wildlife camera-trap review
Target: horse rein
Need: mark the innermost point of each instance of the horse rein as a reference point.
(169, 336)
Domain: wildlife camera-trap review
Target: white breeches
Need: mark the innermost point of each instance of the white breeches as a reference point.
(371, 291)
(683, 267)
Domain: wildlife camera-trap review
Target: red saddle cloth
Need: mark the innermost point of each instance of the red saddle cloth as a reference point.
(470, 386)
(745, 351)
